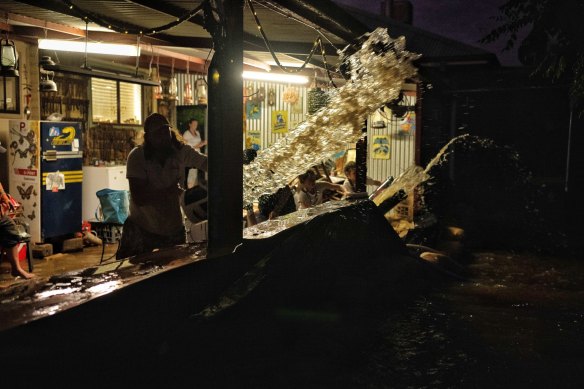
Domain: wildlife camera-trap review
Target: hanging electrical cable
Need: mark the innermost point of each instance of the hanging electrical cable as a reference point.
(85, 65)
(269, 46)
(159, 93)
(187, 90)
(317, 43)
(274, 9)
(328, 72)
(90, 16)
(138, 56)
(173, 84)
(150, 63)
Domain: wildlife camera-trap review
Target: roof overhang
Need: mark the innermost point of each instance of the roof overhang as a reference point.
(292, 26)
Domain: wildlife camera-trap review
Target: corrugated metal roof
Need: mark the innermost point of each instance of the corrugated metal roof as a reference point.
(291, 25)
(430, 45)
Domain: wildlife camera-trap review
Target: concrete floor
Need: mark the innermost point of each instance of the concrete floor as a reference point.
(59, 263)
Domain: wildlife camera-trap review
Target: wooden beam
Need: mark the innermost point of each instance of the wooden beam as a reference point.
(165, 53)
(44, 24)
(6, 27)
(63, 9)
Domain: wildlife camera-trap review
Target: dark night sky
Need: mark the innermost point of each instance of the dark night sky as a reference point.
(463, 20)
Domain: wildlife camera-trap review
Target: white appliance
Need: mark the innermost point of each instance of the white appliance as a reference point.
(100, 177)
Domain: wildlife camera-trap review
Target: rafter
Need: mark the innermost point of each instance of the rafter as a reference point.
(332, 18)
(44, 24)
(306, 10)
(63, 9)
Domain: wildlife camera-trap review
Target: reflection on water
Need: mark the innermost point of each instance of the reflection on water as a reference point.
(518, 321)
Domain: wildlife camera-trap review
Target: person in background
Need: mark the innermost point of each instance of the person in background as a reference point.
(249, 155)
(277, 204)
(164, 109)
(9, 236)
(155, 171)
(309, 192)
(192, 137)
(351, 181)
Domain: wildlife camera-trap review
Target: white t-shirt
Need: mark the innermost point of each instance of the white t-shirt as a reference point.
(306, 199)
(192, 140)
(348, 186)
(163, 217)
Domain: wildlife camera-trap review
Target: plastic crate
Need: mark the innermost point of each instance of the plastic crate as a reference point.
(107, 232)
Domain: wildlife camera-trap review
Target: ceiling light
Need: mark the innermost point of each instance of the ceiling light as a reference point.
(92, 47)
(275, 77)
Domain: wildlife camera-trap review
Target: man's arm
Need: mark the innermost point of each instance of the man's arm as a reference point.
(371, 181)
(331, 186)
(194, 159)
(200, 144)
(347, 185)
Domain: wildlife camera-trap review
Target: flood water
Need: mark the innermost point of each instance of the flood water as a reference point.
(517, 321)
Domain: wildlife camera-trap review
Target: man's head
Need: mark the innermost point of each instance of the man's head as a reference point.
(307, 180)
(163, 108)
(159, 138)
(351, 170)
(155, 121)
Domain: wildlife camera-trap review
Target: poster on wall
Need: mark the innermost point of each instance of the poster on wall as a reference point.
(407, 126)
(253, 110)
(253, 140)
(24, 170)
(380, 147)
(279, 122)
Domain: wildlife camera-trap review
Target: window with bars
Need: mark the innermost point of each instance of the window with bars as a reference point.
(116, 102)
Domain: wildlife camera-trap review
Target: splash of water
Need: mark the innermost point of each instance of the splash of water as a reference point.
(440, 157)
(415, 175)
(378, 70)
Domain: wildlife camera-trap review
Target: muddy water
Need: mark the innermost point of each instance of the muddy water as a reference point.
(517, 322)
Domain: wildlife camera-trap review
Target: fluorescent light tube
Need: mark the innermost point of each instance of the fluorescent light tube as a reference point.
(275, 77)
(92, 47)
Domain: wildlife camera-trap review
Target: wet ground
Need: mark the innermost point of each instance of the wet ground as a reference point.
(513, 320)
(517, 322)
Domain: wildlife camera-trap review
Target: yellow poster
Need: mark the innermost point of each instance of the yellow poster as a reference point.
(380, 146)
(279, 122)
(253, 140)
